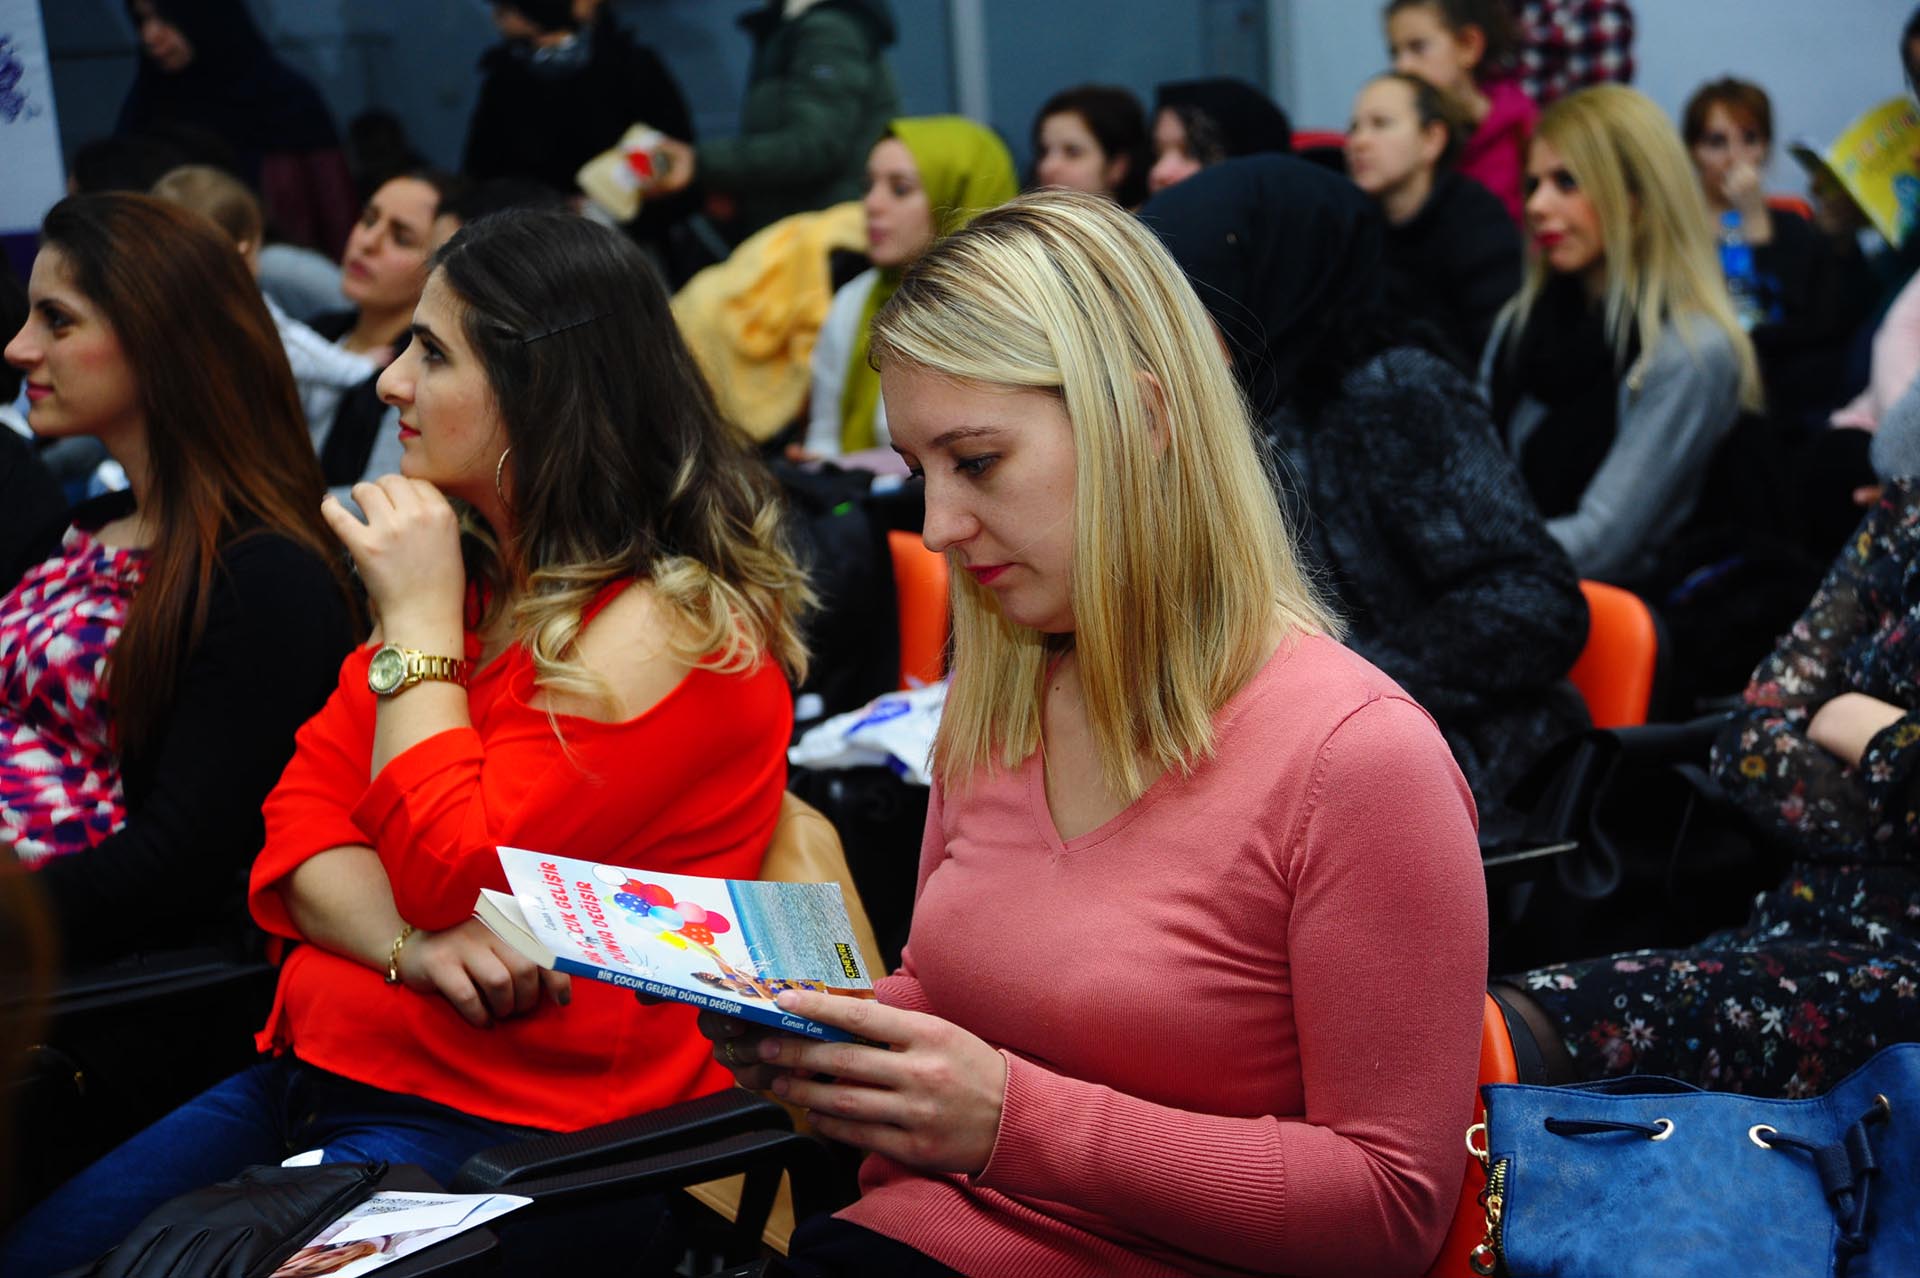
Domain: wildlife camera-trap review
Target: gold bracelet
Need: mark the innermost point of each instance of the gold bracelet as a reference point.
(393, 956)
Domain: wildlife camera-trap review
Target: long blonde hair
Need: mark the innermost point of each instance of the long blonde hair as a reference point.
(1182, 563)
(1661, 262)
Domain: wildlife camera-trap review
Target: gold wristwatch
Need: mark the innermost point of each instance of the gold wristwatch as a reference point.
(395, 669)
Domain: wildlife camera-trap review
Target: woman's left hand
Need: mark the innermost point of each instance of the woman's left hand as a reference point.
(1846, 725)
(407, 553)
(933, 1102)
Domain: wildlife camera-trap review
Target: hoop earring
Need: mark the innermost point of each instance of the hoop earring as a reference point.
(499, 469)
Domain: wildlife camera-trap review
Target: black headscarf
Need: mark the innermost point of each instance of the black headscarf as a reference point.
(1286, 256)
(235, 87)
(1245, 120)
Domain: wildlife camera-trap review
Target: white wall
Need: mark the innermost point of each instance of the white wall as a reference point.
(1823, 64)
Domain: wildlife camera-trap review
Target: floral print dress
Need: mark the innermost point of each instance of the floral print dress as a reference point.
(1827, 970)
(60, 788)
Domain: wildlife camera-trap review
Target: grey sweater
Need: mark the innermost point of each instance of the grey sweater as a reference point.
(1675, 405)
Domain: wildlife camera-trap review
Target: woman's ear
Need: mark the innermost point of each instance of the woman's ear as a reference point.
(1153, 397)
(1473, 45)
(1433, 142)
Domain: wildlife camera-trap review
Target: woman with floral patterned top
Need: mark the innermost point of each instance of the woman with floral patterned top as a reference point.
(156, 664)
(1826, 751)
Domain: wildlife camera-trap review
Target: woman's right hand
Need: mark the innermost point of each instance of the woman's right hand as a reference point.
(736, 1045)
(484, 978)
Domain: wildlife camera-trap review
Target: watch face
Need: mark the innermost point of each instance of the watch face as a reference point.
(387, 671)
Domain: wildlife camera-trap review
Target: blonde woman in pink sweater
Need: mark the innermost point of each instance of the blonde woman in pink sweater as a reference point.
(1196, 966)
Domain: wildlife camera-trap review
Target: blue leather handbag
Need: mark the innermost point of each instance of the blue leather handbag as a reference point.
(1646, 1175)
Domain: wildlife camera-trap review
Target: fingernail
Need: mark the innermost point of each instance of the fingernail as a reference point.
(780, 1086)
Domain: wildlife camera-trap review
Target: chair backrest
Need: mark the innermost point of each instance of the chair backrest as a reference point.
(1790, 204)
(1313, 139)
(920, 581)
(1469, 1227)
(1619, 666)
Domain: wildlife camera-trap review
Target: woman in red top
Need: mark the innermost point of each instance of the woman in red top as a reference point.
(611, 682)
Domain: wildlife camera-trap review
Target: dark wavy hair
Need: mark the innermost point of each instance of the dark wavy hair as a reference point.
(1118, 123)
(622, 465)
(228, 452)
(1494, 18)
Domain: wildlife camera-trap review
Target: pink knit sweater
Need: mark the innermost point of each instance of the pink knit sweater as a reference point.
(1241, 1019)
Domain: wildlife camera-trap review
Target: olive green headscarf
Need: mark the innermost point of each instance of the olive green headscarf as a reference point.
(966, 170)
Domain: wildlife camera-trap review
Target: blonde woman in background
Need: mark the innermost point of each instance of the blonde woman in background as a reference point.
(1619, 367)
(1145, 1023)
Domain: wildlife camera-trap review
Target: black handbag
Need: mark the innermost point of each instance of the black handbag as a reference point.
(240, 1228)
(1650, 1176)
(1660, 857)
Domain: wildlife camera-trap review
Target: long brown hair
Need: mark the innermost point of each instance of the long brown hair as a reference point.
(228, 453)
(622, 466)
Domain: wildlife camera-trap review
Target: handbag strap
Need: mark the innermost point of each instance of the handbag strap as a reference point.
(1846, 1168)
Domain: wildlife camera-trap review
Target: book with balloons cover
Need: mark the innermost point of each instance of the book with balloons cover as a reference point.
(728, 945)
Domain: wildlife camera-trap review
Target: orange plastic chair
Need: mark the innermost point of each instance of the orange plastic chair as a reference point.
(1617, 669)
(920, 581)
(1791, 204)
(1469, 1227)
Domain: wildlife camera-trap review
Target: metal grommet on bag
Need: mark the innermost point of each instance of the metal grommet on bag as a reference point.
(1754, 1134)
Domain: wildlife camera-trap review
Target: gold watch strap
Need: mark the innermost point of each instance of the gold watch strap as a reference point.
(423, 666)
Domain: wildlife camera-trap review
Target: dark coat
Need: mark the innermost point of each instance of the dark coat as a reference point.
(819, 95)
(1424, 533)
(1455, 264)
(543, 127)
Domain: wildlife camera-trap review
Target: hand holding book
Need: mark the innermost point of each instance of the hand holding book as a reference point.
(929, 1099)
(483, 977)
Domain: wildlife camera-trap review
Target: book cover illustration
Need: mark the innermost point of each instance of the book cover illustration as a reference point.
(1873, 161)
(730, 945)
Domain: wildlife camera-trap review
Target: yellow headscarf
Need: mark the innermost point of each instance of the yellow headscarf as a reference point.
(965, 170)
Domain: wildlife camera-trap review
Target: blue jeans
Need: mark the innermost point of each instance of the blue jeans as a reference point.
(260, 1115)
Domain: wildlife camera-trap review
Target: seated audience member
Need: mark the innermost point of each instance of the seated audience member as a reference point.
(159, 661)
(1409, 509)
(32, 507)
(925, 179)
(322, 371)
(605, 672)
(1619, 367)
(1155, 757)
(1825, 753)
(1814, 289)
(1465, 49)
(1197, 123)
(558, 90)
(819, 93)
(381, 274)
(1453, 255)
(1093, 138)
(205, 64)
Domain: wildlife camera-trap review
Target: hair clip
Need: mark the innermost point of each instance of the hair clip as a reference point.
(561, 328)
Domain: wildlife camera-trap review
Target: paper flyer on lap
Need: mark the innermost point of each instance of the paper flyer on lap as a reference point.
(729, 945)
(391, 1225)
